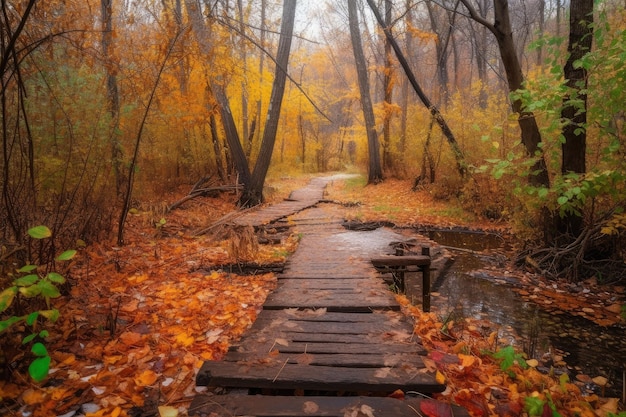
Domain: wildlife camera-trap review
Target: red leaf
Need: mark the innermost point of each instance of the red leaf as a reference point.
(434, 408)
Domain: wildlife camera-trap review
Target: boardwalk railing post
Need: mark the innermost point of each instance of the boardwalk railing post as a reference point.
(426, 281)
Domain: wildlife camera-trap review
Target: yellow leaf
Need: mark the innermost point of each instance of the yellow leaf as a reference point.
(440, 378)
(466, 360)
(116, 412)
(167, 411)
(184, 339)
(533, 363)
(146, 378)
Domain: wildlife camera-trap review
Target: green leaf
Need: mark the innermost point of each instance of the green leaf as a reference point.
(48, 289)
(39, 349)
(39, 368)
(6, 298)
(31, 291)
(52, 315)
(43, 334)
(56, 278)
(30, 319)
(28, 338)
(39, 232)
(67, 255)
(507, 356)
(534, 406)
(27, 268)
(562, 200)
(5, 324)
(26, 280)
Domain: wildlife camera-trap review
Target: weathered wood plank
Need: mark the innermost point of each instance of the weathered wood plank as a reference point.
(322, 315)
(353, 360)
(298, 347)
(320, 378)
(382, 330)
(395, 261)
(272, 406)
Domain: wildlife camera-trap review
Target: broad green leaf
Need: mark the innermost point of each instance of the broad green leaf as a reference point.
(5, 324)
(6, 298)
(507, 356)
(30, 319)
(52, 315)
(31, 291)
(27, 268)
(562, 200)
(39, 232)
(39, 349)
(67, 255)
(28, 338)
(534, 406)
(48, 289)
(26, 280)
(43, 334)
(56, 278)
(39, 368)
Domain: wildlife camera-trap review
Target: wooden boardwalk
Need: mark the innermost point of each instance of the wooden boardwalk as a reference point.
(330, 338)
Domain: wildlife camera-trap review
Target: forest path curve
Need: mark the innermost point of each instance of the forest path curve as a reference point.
(331, 327)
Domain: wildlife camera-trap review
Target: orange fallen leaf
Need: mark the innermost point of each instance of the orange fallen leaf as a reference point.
(130, 338)
(146, 378)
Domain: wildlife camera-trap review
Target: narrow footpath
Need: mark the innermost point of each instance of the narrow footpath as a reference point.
(330, 341)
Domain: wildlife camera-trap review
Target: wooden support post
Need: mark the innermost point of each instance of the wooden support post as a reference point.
(426, 281)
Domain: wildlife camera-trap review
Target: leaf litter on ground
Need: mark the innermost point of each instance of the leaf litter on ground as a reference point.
(139, 320)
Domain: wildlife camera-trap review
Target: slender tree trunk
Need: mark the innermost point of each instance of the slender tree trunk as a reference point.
(434, 111)
(218, 90)
(257, 116)
(113, 98)
(574, 111)
(388, 96)
(375, 174)
(530, 135)
(253, 192)
(244, 60)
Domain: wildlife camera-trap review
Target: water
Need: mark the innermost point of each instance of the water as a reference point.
(588, 348)
(465, 290)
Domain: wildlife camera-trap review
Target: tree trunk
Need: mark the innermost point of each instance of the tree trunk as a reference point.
(574, 111)
(530, 135)
(113, 97)
(375, 174)
(388, 96)
(253, 192)
(434, 111)
(219, 92)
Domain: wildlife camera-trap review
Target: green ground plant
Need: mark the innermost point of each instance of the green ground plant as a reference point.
(34, 286)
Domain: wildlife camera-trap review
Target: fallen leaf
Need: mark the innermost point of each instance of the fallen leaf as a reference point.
(167, 411)
(130, 338)
(146, 378)
(434, 408)
(309, 407)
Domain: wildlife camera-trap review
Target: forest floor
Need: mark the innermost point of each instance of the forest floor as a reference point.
(136, 322)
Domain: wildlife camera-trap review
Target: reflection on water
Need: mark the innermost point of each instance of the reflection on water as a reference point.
(465, 292)
(587, 347)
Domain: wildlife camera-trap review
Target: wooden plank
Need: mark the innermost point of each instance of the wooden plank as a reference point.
(333, 283)
(385, 330)
(352, 360)
(320, 378)
(395, 261)
(281, 406)
(321, 315)
(266, 345)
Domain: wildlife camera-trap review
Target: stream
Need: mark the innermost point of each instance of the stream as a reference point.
(464, 291)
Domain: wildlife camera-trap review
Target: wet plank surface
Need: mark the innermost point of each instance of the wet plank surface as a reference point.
(263, 406)
(331, 326)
